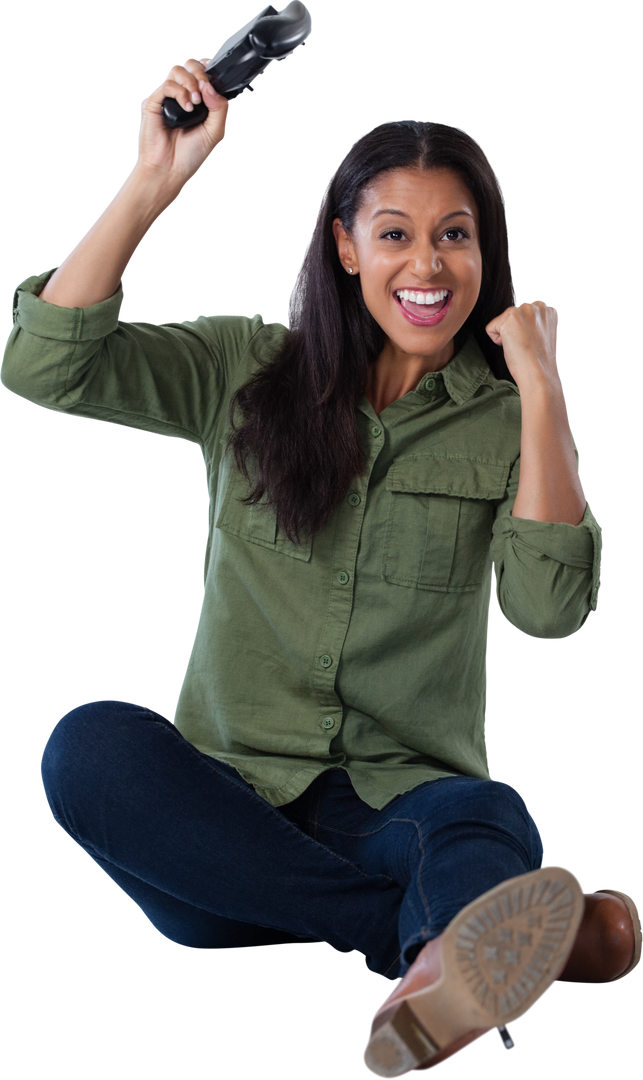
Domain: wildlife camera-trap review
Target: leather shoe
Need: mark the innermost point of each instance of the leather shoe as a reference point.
(409, 1031)
(493, 961)
(608, 943)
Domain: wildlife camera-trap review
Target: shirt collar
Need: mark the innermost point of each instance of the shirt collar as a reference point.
(465, 372)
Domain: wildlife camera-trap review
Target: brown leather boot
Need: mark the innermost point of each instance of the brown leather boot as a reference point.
(493, 961)
(608, 943)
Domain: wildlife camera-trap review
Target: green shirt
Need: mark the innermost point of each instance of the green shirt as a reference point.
(364, 650)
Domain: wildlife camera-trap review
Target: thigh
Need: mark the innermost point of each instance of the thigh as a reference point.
(192, 926)
(134, 793)
(427, 825)
(463, 808)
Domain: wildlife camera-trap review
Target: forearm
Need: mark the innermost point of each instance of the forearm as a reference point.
(549, 487)
(94, 269)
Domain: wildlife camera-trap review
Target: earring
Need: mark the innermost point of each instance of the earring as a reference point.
(350, 269)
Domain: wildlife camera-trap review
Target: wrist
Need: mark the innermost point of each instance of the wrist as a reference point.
(150, 191)
(539, 382)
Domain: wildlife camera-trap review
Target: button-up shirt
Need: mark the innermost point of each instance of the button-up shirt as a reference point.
(365, 648)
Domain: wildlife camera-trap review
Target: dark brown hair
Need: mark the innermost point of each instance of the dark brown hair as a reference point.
(297, 442)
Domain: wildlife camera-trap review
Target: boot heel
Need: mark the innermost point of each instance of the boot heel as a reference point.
(398, 1043)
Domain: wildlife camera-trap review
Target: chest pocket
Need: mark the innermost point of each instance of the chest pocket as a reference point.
(441, 511)
(256, 524)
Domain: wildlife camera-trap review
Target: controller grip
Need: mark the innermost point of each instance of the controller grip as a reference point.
(176, 117)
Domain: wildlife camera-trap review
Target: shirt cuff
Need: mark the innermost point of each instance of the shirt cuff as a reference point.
(581, 545)
(63, 324)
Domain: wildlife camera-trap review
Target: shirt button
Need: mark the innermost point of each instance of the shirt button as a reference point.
(328, 723)
(325, 660)
(430, 384)
(354, 499)
(343, 577)
(376, 431)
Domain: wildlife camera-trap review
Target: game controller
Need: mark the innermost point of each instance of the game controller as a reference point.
(271, 36)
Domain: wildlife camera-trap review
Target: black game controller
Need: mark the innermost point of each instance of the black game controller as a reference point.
(271, 36)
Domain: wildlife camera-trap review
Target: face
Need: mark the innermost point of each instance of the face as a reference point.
(415, 246)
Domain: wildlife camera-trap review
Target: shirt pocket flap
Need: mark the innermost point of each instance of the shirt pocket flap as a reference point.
(449, 474)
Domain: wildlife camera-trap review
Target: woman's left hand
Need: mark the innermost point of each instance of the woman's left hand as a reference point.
(528, 338)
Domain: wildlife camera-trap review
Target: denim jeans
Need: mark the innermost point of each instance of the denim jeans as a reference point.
(213, 865)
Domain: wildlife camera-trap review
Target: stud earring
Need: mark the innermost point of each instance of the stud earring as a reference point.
(350, 269)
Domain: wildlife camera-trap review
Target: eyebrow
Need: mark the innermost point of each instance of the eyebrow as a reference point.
(400, 213)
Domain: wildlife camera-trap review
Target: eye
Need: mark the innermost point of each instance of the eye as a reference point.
(400, 233)
(454, 235)
(393, 234)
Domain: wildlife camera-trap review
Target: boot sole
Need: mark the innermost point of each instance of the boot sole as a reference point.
(499, 955)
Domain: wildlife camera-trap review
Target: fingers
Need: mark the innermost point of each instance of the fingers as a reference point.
(189, 85)
(182, 83)
(196, 67)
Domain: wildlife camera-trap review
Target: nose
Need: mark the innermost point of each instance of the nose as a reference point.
(425, 261)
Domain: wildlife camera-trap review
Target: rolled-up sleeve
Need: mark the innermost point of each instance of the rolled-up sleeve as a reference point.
(170, 379)
(548, 573)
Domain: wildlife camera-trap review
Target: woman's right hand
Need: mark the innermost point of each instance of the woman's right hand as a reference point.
(177, 153)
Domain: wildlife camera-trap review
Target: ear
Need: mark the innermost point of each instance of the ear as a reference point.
(338, 230)
(342, 240)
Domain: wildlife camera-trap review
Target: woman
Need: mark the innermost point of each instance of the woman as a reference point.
(326, 778)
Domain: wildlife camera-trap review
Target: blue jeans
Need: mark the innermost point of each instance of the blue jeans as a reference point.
(213, 865)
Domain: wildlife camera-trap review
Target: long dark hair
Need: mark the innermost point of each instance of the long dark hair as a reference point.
(298, 442)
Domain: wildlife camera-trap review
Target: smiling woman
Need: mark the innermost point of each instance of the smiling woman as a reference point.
(326, 776)
(349, 333)
(417, 272)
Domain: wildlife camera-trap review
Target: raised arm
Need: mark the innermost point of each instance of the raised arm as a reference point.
(166, 161)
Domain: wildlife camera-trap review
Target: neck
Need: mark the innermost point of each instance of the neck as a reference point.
(396, 373)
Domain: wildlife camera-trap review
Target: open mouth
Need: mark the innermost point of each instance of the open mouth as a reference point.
(424, 307)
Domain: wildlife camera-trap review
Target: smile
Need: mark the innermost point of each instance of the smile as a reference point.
(417, 320)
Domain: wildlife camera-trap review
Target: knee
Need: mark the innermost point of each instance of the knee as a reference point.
(499, 807)
(80, 748)
(494, 801)
(70, 743)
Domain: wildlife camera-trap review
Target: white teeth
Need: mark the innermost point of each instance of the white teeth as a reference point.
(423, 297)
